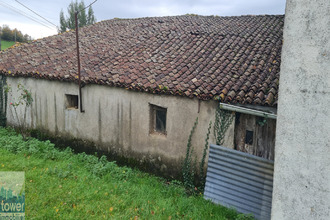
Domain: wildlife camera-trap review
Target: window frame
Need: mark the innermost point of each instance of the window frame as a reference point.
(71, 101)
(153, 119)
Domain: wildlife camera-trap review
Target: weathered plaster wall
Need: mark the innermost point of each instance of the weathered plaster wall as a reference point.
(302, 151)
(118, 120)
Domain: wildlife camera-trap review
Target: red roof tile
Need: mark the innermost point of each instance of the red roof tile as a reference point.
(233, 59)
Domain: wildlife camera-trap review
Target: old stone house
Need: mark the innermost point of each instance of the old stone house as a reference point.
(144, 82)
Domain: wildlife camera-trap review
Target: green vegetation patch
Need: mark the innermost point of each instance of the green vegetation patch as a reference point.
(6, 44)
(62, 185)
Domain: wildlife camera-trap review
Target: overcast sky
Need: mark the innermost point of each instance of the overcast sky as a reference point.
(108, 9)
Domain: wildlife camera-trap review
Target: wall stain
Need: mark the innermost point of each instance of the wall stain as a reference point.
(118, 124)
(36, 111)
(55, 109)
(138, 160)
(130, 127)
(31, 113)
(46, 114)
(122, 124)
(40, 113)
(100, 123)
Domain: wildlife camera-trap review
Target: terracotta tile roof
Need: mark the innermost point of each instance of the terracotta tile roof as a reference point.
(233, 59)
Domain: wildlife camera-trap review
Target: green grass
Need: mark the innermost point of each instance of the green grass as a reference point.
(64, 185)
(6, 44)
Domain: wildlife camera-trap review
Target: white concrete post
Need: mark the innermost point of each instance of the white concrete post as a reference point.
(302, 151)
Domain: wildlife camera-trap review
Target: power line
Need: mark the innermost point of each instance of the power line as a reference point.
(36, 13)
(24, 14)
(87, 6)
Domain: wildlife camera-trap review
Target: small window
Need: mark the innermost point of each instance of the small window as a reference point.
(158, 119)
(71, 101)
(249, 137)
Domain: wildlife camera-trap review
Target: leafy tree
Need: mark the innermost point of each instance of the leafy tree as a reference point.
(17, 35)
(90, 16)
(27, 38)
(67, 23)
(12, 35)
(6, 33)
(63, 24)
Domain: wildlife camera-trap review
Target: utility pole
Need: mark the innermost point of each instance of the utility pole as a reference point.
(78, 55)
(0, 38)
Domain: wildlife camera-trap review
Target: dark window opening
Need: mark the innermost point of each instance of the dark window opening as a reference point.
(249, 137)
(71, 101)
(158, 119)
(237, 118)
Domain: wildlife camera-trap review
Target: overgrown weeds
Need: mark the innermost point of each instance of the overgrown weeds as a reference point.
(64, 185)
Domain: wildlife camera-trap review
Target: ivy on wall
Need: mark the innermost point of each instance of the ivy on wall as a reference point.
(24, 99)
(223, 120)
(189, 166)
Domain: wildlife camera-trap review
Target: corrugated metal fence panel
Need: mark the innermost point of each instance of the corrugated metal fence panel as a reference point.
(240, 180)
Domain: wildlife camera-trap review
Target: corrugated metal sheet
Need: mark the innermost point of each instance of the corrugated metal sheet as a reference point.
(240, 180)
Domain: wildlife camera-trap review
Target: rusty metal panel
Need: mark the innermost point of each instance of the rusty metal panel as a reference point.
(240, 180)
